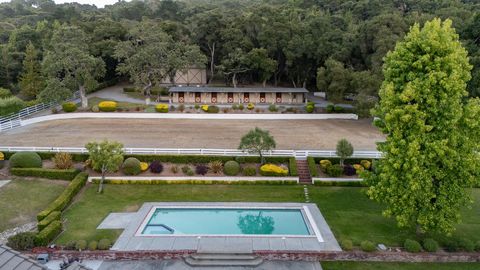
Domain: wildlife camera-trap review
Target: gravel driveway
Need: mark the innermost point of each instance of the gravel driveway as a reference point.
(183, 133)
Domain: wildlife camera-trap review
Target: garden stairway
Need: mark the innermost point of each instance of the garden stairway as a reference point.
(303, 171)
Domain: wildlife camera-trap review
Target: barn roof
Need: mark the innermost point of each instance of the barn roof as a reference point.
(208, 89)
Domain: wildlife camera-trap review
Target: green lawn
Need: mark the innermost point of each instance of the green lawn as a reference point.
(347, 210)
(21, 200)
(398, 266)
(123, 105)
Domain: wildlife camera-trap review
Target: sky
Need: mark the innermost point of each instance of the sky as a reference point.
(98, 3)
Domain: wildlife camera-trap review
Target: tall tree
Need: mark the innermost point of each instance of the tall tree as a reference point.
(105, 157)
(334, 80)
(69, 60)
(150, 55)
(54, 91)
(431, 149)
(31, 80)
(263, 65)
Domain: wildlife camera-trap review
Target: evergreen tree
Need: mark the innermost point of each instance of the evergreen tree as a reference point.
(31, 80)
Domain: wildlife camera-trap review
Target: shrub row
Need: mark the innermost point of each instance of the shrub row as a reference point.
(196, 182)
(337, 160)
(292, 166)
(341, 183)
(50, 155)
(55, 215)
(45, 236)
(312, 166)
(68, 174)
(204, 159)
(67, 195)
(10, 105)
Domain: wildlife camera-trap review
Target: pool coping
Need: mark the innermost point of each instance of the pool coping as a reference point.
(129, 241)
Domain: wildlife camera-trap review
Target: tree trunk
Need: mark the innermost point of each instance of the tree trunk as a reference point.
(234, 80)
(83, 97)
(147, 92)
(212, 62)
(262, 159)
(341, 162)
(100, 186)
(264, 83)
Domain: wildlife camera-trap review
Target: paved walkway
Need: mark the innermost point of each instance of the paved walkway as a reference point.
(116, 93)
(3, 182)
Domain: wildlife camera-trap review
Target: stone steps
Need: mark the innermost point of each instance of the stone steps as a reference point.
(303, 171)
(223, 260)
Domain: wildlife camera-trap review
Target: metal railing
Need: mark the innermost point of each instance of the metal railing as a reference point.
(13, 120)
(198, 151)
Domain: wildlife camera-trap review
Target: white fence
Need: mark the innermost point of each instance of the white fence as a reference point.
(199, 151)
(14, 120)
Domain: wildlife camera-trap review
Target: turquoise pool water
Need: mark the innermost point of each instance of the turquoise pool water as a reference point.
(208, 221)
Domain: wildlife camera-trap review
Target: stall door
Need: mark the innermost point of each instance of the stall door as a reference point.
(214, 97)
(246, 97)
(181, 97)
(198, 97)
(262, 98)
(230, 97)
(278, 98)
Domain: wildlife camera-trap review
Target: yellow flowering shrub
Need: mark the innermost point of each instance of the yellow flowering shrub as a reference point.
(143, 166)
(366, 164)
(324, 164)
(107, 106)
(359, 168)
(2, 156)
(273, 170)
(205, 108)
(250, 106)
(161, 108)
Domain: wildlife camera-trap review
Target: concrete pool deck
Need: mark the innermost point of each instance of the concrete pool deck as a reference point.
(129, 240)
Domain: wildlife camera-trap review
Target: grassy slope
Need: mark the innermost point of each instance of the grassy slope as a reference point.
(398, 266)
(21, 200)
(120, 104)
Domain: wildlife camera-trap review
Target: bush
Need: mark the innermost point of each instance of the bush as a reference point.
(70, 245)
(250, 106)
(95, 108)
(2, 156)
(196, 106)
(330, 108)
(205, 108)
(81, 245)
(466, 245)
(234, 107)
(45, 236)
(22, 241)
(63, 161)
(4, 93)
(241, 107)
(231, 168)
(358, 168)
(310, 109)
(92, 245)
(215, 166)
(292, 166)
(69, 107)
(452, 245)
(346, 244)
(477, 246)
(349, 170)
(25, 160)
(366, 164)
(367, 246)
(201, 169)
(181, 108)
(55, 215)
(67, 195)
(107, 106)
(272, 108)
(187, 170)
(430, 245)
(335, 170)
(144, 166)
(338, 108)
(273, 170)
(249, 171)
(213, 109)
(45, 173)
(324, 164)
(104, 244)
(312, 167)
(174, 169)
(156, 167)
(241, 159)
(161, 108)
(131, 166)
(11, 105)
(412, 246)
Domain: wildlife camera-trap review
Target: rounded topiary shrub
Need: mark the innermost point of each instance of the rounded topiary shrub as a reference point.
(231, 168)
(335, 170)
(69, 107)
(92, 245)
(249, 171)
(107, 106)
(346, 244)
(131, 166)
(430, 245)
(25, 160)
(81, 245)
(310, 109)
(104, 244)
(367, 246)
(412, 246)
(156, 167)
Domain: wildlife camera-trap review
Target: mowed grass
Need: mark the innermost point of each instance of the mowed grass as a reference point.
(349, 213)
(22, 200)
(91, 208)
(398, 266)
(120, 104)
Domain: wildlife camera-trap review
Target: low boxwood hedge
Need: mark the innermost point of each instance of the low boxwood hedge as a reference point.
(312, 166)
(341, 183)
(45, 236)
(46, 173)
(292, 166)
(195, 182)
(55, 215)
(67, 195)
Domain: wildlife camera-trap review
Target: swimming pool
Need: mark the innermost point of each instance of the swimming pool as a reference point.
(225, 221)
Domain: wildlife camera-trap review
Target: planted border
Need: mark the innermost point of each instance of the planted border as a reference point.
(312, 166)
(55, 215)
(46, 173)
(195, 182)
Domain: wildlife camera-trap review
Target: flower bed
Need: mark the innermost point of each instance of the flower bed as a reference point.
(330, 167)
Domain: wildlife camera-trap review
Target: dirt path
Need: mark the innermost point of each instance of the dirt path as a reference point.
(181, 133)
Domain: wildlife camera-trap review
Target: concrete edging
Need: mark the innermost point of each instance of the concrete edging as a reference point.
(64, 116)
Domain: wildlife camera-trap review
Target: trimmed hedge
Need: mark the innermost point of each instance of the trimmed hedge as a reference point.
(312, 166)
(45, 236)
(25, 160)
(195, 182)
(46, 173)
(341, 183)
(55, 215)
(292, 166)
(67, 195)
(69, 107)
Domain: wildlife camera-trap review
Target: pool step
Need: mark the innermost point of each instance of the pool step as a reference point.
(222, 260)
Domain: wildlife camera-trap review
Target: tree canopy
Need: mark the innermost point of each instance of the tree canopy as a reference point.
(431, 149)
